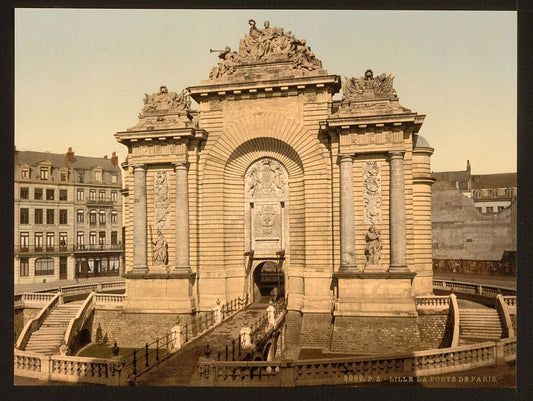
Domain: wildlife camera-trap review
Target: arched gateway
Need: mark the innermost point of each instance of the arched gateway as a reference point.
(271, 178)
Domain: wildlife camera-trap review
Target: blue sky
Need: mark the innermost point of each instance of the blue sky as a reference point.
(81, 74)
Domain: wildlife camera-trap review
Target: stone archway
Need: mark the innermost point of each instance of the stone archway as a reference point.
(267, 276)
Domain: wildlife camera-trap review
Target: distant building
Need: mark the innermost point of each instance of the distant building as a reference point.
(68, 216)
(491, 192)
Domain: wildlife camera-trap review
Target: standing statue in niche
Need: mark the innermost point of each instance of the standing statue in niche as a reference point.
(160, 256)
(373, 246)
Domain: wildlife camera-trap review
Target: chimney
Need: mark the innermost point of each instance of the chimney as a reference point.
(70, 156)
(105, 156)
(114, 159)
(468, 166)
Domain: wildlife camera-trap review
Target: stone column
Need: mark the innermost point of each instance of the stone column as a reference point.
(140, 264)
(347, 224)
(182, 218)
(398, 261)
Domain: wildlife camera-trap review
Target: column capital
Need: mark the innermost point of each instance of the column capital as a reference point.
(180, 165)
(396, 154)
(344, 157)
(139, 166)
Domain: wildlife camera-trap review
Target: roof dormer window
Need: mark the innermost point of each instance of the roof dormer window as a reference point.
(98, 175)
(44, 173)
(25, 172)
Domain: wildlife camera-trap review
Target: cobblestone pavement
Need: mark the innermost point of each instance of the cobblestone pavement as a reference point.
(181, 368)
(19, 288)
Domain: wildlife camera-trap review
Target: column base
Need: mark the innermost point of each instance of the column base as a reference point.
(374, 268)
(398, 268)
(349, 269)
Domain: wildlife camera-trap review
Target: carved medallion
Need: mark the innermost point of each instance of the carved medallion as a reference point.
(161, 200)
(372, 193)
(265, 177)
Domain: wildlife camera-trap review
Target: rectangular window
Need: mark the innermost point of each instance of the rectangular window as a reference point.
(50, 194)
(114, 196)
(80, 176)
(24, 267)
(113, 179)
(63, 194)
(64, 175)
(79, 238)
(92, 195)
(44, 173)
(490, 209)
(62, 216)
(102, 217)
(500, 208)
(101, 238)
(38, 194)
(38, 238)
(101, 196)
(25, 173)
(79, 194)
(114, 238)
(24, 241)
(49, 216)
(24, 216)
(114, 217)
(44, 267)
(98, 176)
(50, 242)
(38, 216)
(24, 193)
(92, 217)
(62, 241)
(80, 216)
(113, 264)
(92, 238)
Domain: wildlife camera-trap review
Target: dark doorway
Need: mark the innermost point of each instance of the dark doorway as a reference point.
(267, 276)
(62, 268)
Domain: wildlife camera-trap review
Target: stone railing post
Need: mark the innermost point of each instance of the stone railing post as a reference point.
(140, 261)
(347, 220)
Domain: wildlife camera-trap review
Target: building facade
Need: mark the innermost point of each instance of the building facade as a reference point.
(68, 217)
(491, 192)
(272, 182)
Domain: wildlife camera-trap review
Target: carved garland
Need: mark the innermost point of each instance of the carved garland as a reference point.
(372, 193)
(161, 200)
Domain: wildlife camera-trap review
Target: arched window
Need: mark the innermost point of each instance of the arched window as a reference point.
(477, 194)
(44, 267)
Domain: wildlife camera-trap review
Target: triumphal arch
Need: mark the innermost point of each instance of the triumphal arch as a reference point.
(272, 183)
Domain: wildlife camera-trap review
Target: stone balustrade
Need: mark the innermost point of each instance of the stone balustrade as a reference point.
(68, 368)
(433, 301)
(77, 323)
(510, 301)
(32, 300)
(338, 371)
(109, 301)
(472, 288)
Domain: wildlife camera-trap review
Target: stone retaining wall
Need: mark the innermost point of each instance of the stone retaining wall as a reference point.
(23, 316)
(316, 330)
(436, 330)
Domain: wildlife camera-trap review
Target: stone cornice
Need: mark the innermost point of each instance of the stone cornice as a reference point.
(351, 122)
(161, 134)
(221, 90)
(374, 275)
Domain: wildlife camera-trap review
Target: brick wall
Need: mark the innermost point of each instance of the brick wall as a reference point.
(23, 316)
(316, 330)
(375, 335)
(435, 330)
(293, 322)
(132, 330)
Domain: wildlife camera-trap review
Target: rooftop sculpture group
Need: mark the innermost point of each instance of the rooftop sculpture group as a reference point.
(369, 87)
(266, 45)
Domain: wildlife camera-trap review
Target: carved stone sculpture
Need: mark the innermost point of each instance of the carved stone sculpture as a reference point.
(161, 200)
(265, 177)
(160, 252)
(167, 102)
(373, 246)
(369, 87)
(372, 192)
(269, 44)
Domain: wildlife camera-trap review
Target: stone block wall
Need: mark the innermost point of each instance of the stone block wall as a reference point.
(375, 335)
(293, 327)
(436, 330)
(513, 322)
(316, 330)
(133, 330)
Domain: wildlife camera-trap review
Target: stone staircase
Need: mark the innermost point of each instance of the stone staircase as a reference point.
(180, 369)
(49, 337)
(477, 324)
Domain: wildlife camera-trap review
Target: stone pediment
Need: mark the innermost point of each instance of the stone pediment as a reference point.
(269, 45)
(164, 110)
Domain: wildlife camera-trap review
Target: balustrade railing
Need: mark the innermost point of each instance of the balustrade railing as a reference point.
(510, 301)
(338, 371)
(472, 288)
(433, 301)
(32, 300)
(112, 301)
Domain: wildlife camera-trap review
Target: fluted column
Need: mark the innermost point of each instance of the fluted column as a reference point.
(398, 261)
(182, 218)
(140, 264)
(347, 224)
